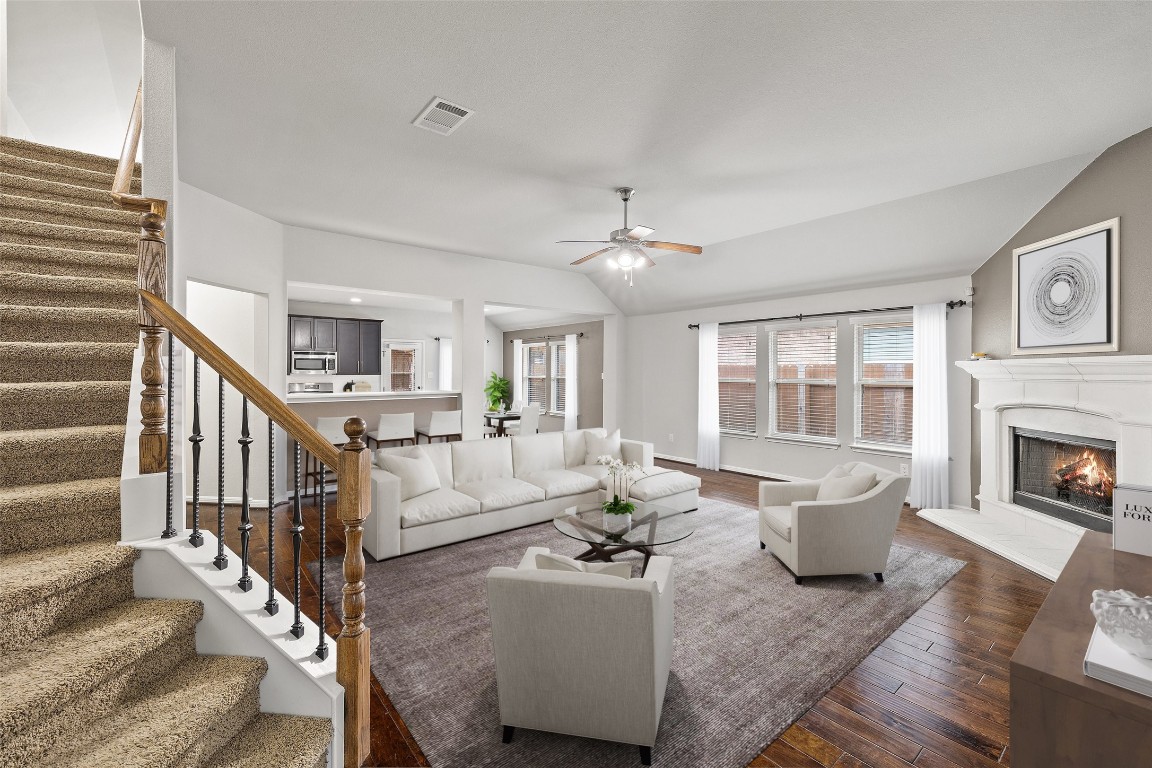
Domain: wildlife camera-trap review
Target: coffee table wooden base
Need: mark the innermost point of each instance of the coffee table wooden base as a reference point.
(604, 553)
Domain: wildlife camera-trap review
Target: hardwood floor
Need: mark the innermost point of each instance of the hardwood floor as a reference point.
(933, 695)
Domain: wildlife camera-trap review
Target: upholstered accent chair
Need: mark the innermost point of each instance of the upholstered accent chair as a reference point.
(841, 523)
(551, 627)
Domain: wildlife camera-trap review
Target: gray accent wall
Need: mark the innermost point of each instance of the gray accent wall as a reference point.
(1116, 184)
(590, 361)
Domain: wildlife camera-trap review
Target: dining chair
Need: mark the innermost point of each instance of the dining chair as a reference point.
(392, 427)
(445, 424)
(529, 423)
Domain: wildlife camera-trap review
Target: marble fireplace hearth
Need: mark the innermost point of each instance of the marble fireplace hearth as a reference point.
(1106, 398)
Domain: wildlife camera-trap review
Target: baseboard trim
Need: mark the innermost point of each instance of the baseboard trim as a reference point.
(732, 468)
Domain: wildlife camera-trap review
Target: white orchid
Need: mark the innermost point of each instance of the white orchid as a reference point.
(621, 474)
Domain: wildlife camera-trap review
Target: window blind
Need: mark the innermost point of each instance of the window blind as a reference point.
(536, 375)
(402, 369)
(884, 383)
(736, 359)
(804, 382)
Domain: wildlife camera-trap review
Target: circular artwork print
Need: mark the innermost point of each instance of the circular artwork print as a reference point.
(1065, 294)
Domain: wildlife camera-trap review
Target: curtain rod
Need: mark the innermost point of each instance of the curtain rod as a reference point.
(802, 317)
(545, 338)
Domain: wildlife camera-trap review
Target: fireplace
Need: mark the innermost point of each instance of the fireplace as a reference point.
(1068, 477)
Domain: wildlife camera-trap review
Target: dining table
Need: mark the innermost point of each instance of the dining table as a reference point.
(500, 420)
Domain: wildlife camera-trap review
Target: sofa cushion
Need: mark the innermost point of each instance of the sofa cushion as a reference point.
(595, 471)
(561, 482)
(602, 446)
(501, 492)
(837, 488)
(416, 472)
(434, 506)
(477, 460)
(837, 471)
(779, 519)
(657, 482)
(550, 562)
(576, 447)
(440, 454)
(537, 453)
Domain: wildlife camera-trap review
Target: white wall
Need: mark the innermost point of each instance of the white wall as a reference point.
(661, 376)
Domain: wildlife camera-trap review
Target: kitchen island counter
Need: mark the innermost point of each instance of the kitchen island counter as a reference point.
(355, 397)
(370, 405)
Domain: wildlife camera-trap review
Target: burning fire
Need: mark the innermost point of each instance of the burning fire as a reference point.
(1085, 476)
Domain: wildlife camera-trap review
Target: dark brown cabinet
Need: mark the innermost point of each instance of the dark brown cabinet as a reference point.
(311, 334)
(370, 347)
(358, 347)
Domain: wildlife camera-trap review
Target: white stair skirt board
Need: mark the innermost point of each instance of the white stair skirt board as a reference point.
(1041, 548)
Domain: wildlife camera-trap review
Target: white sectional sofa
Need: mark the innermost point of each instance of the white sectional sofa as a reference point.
(483, 486)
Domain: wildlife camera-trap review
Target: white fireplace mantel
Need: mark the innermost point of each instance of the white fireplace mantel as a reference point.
(1107, 397)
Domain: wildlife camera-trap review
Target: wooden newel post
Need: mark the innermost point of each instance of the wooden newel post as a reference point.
(353, 653)
(153, 408)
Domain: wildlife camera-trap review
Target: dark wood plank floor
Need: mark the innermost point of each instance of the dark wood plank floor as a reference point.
(933, 695)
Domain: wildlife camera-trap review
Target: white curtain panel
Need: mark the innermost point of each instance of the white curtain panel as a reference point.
(571, 379)
(708, 409)
(445, 364)
(517, 371)
(929, 407)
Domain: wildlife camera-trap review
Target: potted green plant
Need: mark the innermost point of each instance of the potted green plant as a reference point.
(498, 390)
(618, 510)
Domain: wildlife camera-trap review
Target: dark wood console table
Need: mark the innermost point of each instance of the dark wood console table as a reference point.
(1060, 717)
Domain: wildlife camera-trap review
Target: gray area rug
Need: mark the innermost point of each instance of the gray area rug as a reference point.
(753, 651)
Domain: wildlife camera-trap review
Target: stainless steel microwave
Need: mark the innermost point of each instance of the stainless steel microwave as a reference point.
(313, 362)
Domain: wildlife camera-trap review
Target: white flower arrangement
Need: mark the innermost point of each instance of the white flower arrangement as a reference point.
(621, 474)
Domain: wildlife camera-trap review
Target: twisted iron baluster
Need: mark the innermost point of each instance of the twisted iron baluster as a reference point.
(221, 559)
(197, 538)
(272, 606)
(297, 534)
(245, 582)
(169, 527)
(322, 648)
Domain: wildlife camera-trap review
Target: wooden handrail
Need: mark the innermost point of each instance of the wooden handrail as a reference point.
(122, 184)
(247, 384)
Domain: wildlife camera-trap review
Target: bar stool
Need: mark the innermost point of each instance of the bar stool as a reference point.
(331, 428)
(445, 424)
(392, 427)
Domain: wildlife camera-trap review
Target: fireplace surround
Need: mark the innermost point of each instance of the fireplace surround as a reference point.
(1104, 400)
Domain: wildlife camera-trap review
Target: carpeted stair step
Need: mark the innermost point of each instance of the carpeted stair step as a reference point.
(34, 456)
(71, 157)
(75, 361)
(283, 741)
(181, 722)
(39, 323)
(66, 174)
(65, 262)
(57, 212)
(35, 516)
(48, 589)
(23, 289)
(78, 675)
(23, 232)
(54, 190)
(48, 405)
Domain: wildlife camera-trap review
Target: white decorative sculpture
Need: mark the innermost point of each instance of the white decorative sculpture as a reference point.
(1126, 619)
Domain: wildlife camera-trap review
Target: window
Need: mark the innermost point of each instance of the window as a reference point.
(803, 382)
(556, 383)
(403, 366)
(737, 375)
(545, 376)
(884, 383)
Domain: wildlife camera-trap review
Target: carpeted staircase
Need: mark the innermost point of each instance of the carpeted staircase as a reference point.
(92, 676)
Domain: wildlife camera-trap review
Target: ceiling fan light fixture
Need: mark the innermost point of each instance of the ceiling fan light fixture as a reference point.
(626, 260)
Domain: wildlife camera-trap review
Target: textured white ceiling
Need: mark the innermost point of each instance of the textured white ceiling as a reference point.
(731, 119)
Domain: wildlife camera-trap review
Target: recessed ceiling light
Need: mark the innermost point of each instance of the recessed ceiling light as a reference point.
(355, 299)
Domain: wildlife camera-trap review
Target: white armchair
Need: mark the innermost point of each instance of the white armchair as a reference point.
(818, 536)
(550, 627)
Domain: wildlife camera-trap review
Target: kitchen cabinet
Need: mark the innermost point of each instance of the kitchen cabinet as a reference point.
(311, 334)
(358, 347)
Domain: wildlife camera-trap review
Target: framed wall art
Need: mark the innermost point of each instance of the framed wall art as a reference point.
(1066, 291)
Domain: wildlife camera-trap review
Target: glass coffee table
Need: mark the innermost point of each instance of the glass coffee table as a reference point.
(586, 523)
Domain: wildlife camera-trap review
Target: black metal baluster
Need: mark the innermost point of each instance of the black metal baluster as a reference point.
(245, 582)
(272, 606)
(197, 538)
(322, 648)
(169, 527)
(297, 535)
(221, 559)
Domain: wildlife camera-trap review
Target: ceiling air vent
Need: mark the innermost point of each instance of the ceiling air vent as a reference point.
(442, 117)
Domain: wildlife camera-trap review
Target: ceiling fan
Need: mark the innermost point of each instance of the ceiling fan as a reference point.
(627, 244)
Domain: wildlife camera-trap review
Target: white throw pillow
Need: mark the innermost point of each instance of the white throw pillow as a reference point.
(834, 489)
(602, 446)
(561, 563)
(836, 472)
(417, 473)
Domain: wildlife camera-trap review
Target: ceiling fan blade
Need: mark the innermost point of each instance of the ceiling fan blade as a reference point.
(592, 255)
(672, 246)
(643, 259)
(583, 241)
(639, 233)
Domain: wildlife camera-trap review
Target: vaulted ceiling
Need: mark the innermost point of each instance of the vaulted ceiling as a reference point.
(897, 139)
